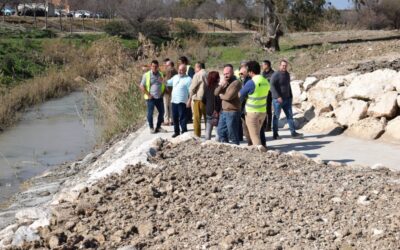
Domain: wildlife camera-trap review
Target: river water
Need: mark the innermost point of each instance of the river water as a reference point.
(47, 135)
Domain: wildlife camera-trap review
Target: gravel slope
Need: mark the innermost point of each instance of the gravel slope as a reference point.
(214, 196)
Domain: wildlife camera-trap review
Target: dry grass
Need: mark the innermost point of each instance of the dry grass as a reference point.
(80, 66)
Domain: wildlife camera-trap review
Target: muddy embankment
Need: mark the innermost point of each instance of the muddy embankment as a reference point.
(194, 195)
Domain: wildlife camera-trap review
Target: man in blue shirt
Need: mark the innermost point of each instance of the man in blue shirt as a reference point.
(180, 84)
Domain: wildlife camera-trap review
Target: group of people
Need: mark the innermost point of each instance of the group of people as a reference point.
(242, 103)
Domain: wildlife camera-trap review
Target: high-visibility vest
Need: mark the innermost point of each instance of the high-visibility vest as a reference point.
(257, 102)
(147, 86)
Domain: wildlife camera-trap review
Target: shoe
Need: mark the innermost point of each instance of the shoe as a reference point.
(153, 131)
(276, 137)
(161, 130)
(261, 148)
(175, 135)
(165, 124)
(268, 130)
(297, 135)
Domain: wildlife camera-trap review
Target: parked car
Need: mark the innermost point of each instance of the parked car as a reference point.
(8, 11)
(82, 14)
(62, 13)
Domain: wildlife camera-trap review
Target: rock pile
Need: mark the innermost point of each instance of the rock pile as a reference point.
(365, 105)
(214, 196)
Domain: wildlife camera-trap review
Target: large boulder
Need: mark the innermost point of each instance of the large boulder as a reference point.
(309, 82)
(296, 91)
(398, 101)
(323, 125)
(323, 99)
(298, 120)
(392, 130)
(336, 81)
(370, 86)
(309, 111)
(351, 111)
(369, 128)
(396, 82)
(385, 105)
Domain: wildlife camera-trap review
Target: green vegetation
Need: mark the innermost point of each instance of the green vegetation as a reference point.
(119, 28)
(186, 29)
(223, 39)
(19, 60)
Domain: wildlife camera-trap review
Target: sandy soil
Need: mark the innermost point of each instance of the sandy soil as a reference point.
(214, 196)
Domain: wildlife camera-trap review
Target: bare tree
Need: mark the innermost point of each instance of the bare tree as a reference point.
(60, 5)
(234, 9)
(137, 11)
(208, 10)
(269, 38)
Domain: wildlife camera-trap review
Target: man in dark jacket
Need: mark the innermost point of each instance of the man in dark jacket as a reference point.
(267, 73)
(282, 98)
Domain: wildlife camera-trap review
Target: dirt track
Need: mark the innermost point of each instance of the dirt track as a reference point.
(205, 196)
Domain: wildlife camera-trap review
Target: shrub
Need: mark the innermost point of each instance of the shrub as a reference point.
(154, 29)
(118, 28)
(186, 29)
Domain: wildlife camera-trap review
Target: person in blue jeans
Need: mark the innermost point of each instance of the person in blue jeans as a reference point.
(153, 88)
(229, 120)
(282, 98)
(180, 84)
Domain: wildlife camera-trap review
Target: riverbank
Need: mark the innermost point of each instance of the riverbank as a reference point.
(37, 66)
(167, 176)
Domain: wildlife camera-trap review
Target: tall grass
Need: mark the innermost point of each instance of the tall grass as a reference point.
(80, 66)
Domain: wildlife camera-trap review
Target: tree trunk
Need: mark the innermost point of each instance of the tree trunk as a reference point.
(4, 16)
(270, 40)
(61, 27)
(46, 14)
(272, 25)
(214, 24)
(83, 24)
(34, 17)
(70, 25)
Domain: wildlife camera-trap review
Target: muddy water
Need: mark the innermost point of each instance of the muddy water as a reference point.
(48, 135)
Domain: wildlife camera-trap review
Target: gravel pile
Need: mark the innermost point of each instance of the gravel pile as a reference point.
(373, 66)
(214, 196)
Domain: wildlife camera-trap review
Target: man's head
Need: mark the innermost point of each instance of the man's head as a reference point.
(182, 70)
(242, 63)
(266, 65)
(166, 60)
(154, 66)
(183, 60)
(243, 72)
(199, 66)
(228, 71)
(169, 64)
(253, 68)
(283, 65)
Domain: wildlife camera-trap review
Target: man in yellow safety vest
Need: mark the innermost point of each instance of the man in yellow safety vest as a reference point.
(153, 88)
(256, 91)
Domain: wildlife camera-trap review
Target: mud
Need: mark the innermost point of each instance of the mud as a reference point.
(214, 196)
(374, 65)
